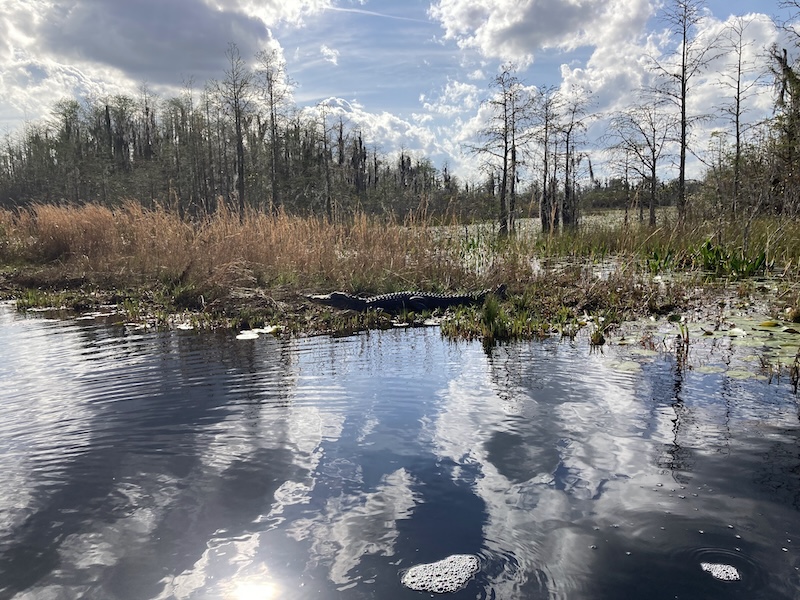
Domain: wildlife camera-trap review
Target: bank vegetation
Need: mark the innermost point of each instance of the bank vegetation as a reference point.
(231, 201)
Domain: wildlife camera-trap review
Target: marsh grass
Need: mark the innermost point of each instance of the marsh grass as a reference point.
(133, 244)
(723, 249)
(161, 261)
(36, 299)
(365, 254)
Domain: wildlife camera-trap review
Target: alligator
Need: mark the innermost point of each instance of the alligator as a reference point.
(408, 301)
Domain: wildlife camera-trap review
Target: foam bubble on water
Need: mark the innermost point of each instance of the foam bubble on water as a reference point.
(723, 572)
(443, 576)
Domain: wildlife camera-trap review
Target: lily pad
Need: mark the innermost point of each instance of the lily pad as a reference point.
(740, 374)
(751, 358)
(643, 352)
(626, 366)
(709, 369)
(752, 342)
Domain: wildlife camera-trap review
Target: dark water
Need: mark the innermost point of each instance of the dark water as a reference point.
(182, 465)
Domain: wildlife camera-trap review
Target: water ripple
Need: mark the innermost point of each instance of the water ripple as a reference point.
(138, 464)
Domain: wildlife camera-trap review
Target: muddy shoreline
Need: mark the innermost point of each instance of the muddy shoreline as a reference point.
(558, 304)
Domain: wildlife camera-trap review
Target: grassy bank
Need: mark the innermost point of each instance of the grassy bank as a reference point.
(256, 270)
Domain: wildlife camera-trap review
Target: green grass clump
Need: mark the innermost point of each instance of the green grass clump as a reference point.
(34, 299)
(724, 262)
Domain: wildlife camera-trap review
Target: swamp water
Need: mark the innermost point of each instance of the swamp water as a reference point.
(138, 465)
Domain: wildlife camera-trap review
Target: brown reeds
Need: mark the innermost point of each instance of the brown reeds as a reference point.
(130, 245)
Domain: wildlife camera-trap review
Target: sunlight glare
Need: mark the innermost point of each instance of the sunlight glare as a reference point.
(256, 591)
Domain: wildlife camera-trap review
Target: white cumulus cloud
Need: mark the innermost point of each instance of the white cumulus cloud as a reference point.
(514, 30)
(329, 54)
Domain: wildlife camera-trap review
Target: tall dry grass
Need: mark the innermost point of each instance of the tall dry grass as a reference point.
(131, 244)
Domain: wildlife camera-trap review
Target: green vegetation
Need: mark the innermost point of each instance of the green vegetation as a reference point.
(154, 267)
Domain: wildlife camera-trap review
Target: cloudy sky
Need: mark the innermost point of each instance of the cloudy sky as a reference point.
(410, 73)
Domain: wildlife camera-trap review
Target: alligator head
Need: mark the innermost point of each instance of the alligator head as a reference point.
(340, 300)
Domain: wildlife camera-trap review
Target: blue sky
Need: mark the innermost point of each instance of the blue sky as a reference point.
(410, 74)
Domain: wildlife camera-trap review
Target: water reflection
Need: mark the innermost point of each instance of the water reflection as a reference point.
(185, 465)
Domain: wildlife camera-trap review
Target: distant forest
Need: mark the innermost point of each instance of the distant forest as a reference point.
(242, 142)
(238, 141)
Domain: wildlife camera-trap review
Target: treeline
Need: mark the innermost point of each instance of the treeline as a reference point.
(239, 141)
(243, 142)
(752, 163)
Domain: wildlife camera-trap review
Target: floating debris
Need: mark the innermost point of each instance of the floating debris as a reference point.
(447, 575)
(266, 330)
(247, 335)
(720, 571)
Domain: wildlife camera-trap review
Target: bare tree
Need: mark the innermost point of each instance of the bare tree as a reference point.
(276, 90)
(741, 81)
(575, 108)
(509, 107)
(678, 72)
(547, 110)
(326, 162)
(236, 92)
(644, 130)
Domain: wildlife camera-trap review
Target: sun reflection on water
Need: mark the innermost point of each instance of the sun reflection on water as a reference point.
(255, 591)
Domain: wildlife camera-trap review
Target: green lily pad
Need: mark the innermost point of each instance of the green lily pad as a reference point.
(643, 352)
(749, 342)
(626, 366)
(740, 374)
(710, 369)
(750, 358)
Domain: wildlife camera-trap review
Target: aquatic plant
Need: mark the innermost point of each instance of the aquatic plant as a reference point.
(494, 320)
(35, 298)
(660, 260)
(721, 261)
(132, 309)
